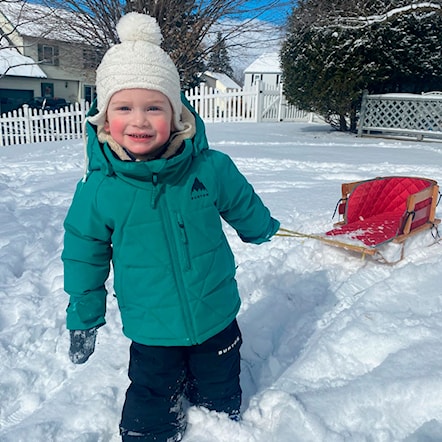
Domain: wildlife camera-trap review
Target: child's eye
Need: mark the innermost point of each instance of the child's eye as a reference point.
(124, 108)
(153, 108)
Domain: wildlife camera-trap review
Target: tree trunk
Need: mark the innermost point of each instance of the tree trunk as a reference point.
(343, 123)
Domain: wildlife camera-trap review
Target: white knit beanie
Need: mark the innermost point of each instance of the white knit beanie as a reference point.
(138, 62)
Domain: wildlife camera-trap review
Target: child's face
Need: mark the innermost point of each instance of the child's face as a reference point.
(140, 120)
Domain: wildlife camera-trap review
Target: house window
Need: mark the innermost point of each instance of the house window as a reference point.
(256, 78)
(48, 54)
(278, 79)
(47, 90)
(92, 57)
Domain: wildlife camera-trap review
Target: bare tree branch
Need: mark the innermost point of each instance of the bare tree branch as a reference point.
(189, 27)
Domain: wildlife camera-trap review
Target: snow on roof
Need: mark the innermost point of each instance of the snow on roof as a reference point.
(34, 20)
(224, 79)
(12, 63)
(268, 62)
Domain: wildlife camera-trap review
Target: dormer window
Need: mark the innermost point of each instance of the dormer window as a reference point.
(256, 78)
(92, 57)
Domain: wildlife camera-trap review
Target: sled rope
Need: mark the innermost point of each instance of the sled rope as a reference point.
(375, 253)
(294, 234)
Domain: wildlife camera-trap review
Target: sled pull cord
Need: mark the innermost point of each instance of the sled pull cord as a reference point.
(333, 242)
(364, 251)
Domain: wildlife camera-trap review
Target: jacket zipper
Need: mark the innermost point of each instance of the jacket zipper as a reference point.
(174, 251)
(154, 190)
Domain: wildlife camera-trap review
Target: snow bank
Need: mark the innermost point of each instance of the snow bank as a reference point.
(336, 348)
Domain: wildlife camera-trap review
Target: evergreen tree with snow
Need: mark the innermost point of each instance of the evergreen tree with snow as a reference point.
(219, 60)
(334, 50)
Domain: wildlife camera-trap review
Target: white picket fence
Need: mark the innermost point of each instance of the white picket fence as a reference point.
(260, 104)
(26, 125)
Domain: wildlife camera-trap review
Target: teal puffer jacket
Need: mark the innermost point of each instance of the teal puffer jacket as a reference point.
(159, 224)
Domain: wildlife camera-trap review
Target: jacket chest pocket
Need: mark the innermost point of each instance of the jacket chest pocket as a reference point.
(183, 241)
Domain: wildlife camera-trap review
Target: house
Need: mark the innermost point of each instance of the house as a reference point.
(17, 69)
(40, 56)
(266, 68)
(220, 85)
(219, 81)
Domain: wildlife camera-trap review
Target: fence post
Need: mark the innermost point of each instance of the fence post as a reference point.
(281, 98)
(27, 123)
(259, 102)
(83, 110)
(363, 111)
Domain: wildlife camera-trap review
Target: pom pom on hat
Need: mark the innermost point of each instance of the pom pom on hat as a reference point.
(134, 27)
(138, 62)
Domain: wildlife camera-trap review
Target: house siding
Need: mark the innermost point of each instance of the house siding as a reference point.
(65, 80)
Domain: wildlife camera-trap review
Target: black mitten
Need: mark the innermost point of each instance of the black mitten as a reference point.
(82, 344)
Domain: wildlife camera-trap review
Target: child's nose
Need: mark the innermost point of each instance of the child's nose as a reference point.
(140, 119)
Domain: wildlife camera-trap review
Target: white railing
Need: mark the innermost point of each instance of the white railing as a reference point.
(259, 104)
(412, 115)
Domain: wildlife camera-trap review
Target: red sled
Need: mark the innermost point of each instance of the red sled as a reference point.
(384, 209)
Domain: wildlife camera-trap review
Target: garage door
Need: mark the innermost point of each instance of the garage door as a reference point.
(11, 99)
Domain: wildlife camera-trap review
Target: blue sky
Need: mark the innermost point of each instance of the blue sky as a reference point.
(278, 14)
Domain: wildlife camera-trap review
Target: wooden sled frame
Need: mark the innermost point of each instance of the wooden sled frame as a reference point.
(415, 211)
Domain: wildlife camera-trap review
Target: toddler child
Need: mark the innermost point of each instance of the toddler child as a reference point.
(151, 203)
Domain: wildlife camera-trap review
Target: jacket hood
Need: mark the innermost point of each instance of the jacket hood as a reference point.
(99, 156)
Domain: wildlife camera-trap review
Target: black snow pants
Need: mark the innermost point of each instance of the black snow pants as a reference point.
(206, 375)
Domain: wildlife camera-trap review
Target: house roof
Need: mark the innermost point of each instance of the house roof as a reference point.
(268, 62)
(12, 63)
(34, 20)
(224, 79)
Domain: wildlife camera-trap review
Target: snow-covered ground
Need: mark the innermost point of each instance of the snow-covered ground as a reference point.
(336, 348)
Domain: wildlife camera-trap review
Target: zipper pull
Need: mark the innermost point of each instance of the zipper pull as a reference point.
(185, 242)
(182, 229)
(154, 190)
